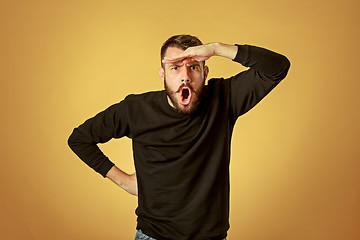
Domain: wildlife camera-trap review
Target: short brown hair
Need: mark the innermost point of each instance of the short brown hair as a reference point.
(180, 41)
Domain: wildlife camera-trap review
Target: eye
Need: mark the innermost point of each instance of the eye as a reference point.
(174, 68)
(194, 67)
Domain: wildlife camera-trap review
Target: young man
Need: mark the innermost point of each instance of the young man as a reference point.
(181, 137)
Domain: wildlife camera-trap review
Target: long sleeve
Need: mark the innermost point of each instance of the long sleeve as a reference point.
(108, 124)
(247, 88)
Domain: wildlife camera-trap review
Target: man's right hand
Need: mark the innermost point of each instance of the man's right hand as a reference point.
(132, 185)
(123, 180)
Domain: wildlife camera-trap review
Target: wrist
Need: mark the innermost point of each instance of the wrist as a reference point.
(225, 50)
(118, 176)
(126, 182)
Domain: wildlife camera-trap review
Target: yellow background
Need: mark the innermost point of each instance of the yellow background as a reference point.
(295, 156)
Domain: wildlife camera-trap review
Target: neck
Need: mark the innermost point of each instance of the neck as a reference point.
(169, 101)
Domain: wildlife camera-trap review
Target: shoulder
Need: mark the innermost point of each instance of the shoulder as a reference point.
(216, 84)
(145, 100)
(147, 96)
(136, 99)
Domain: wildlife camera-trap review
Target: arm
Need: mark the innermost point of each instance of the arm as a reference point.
(123, 180)
(270, 64)
(111, 123)
(266, 70)
(204, 52)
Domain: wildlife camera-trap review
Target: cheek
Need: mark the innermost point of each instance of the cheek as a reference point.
(198, 79)
(199, 75)
(171, 81)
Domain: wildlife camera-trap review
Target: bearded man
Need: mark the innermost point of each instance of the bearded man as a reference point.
(181, 137)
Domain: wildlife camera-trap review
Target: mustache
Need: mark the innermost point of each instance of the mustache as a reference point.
(185, 85)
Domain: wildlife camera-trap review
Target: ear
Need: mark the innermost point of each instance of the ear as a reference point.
(162, 74)
(206, 72)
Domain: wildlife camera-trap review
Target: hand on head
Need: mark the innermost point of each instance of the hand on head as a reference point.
(198, 53)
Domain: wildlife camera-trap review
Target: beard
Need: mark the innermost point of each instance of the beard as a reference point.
(196, 98)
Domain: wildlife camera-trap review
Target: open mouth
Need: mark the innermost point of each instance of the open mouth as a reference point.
(185, 96)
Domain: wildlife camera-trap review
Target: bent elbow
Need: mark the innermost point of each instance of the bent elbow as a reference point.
(71, 140)
(75, 139)
(284, 70)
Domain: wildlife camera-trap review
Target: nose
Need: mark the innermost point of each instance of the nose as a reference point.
(185, 78)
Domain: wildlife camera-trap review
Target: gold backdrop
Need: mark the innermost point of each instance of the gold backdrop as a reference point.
(295, 156)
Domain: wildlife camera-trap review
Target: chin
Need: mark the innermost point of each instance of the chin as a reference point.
(188, 109)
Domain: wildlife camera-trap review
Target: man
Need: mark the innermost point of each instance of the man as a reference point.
(181, 137)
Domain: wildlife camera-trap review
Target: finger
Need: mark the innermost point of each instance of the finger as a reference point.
(167, 60)
(172, 59)
(179, 57)
(175, 58)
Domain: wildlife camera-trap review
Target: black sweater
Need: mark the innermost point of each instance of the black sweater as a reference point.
(182, 161)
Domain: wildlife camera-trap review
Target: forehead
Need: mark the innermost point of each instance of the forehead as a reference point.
(173, 51)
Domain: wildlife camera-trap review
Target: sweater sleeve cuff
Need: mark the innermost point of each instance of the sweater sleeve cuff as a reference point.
(242, 54)
(105, 167)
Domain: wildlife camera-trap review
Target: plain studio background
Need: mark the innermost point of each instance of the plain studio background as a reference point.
(295, 156)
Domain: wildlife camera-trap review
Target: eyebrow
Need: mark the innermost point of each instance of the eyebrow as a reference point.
(175, 65)
(193, 64)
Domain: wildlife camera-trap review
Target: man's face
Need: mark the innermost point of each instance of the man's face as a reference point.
(184, 81)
